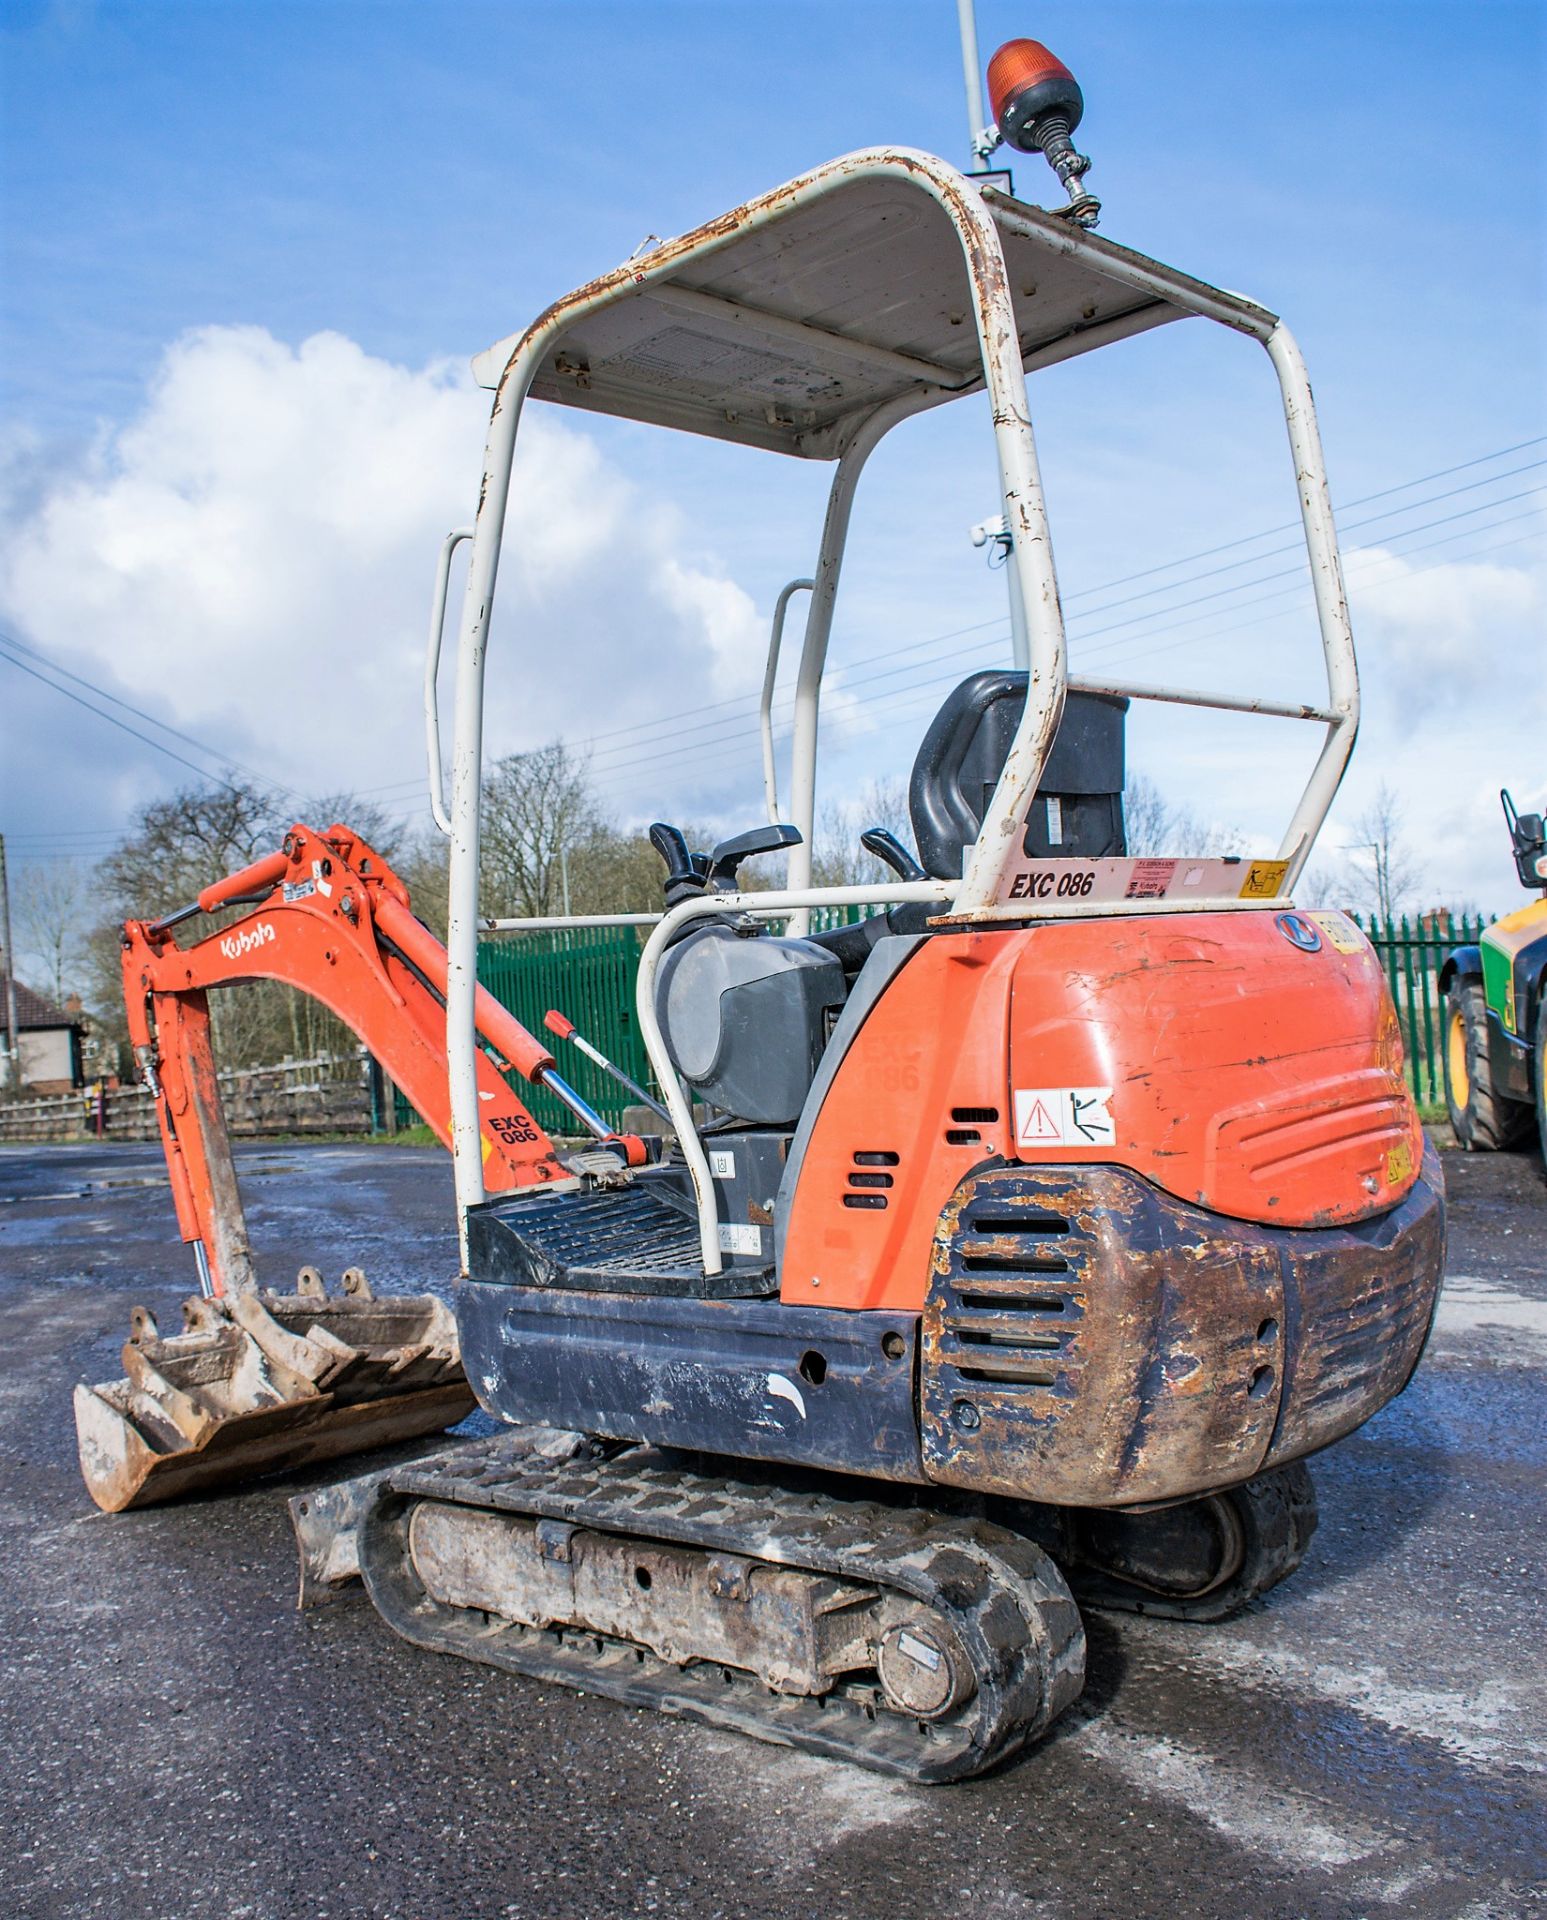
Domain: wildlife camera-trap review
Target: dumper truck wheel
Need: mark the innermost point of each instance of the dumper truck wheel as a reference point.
(1482, 1120)
(1540, 1064)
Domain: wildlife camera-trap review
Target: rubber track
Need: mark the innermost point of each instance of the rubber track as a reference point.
(1277, 1512)
(1003, 1596)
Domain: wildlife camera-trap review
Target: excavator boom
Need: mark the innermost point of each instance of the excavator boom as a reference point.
(259, 1381)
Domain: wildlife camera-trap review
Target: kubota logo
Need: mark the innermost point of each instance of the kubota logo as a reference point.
(235, 945)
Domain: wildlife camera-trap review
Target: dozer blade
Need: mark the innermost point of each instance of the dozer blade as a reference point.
(260, 1383)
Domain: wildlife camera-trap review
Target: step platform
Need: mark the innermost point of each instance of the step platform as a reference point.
(638, 1239)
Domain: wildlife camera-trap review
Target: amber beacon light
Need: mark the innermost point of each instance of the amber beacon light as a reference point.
(1037, 105)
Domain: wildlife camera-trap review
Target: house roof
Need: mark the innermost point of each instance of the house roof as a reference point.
(33, 1011)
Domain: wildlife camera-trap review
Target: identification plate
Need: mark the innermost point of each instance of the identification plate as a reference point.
(736, 1239)
(1070, 884)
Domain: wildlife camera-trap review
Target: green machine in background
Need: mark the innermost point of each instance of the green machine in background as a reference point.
(1496, 1012)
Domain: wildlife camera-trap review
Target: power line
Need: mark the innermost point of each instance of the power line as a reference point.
(1228, 546)
(931, 670)
(727, 723)
(626, 758)
(1106, 586)
(8, 639)
(908, 702)
(113, 720)
(919, 702)
(1351, 526)
(935, 677)
(1298, 583)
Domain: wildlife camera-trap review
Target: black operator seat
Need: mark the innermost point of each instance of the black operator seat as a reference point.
(1078, 809)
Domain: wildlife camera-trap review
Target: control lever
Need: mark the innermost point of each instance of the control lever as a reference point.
(729, 854)
(887, 848)
(685, 872)
(566, 1029)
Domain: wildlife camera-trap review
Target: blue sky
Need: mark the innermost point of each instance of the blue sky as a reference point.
(192, 193)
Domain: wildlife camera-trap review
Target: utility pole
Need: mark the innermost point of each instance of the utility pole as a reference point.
(12, 1037)
(972, 75)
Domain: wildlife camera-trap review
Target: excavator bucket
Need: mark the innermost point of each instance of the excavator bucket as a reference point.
(261, 1382)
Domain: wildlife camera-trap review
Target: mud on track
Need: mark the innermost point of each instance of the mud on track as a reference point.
(176, 1742)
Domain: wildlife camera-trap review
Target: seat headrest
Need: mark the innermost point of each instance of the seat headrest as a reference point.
(963, 754)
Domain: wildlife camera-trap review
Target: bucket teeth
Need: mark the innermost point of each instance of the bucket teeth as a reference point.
(262, 1382)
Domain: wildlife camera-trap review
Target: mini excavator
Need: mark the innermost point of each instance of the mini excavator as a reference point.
(1010, 1249)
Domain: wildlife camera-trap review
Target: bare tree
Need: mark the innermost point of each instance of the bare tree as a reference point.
(371, 822)
(1387, 871)
(1154, 824)
(53, 904)
(538, 810)
(837, 858)
(179, 845)
(175, 848)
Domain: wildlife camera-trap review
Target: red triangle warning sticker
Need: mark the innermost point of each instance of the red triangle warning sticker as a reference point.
(1037, 1124)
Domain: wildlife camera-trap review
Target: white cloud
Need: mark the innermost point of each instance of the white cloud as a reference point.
(1435, 629)
(251, 558)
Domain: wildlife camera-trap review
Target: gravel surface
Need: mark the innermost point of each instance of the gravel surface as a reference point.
(177, 1742)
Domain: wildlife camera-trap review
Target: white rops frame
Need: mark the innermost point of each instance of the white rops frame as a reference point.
(770, 327)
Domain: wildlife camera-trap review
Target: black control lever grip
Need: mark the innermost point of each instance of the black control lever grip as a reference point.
(670, 844)
(888, 848)
(685, 872)
(729, 854)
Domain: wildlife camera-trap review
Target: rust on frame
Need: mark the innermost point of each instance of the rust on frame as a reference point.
(1090, 1341)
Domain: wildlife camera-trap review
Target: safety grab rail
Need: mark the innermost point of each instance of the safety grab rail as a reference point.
(761, 906)
(1191, 697)
(551, 922)
(770, 675)
(437, 772)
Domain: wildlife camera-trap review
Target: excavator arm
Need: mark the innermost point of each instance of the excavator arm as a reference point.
(328, 916)
(259, 1381)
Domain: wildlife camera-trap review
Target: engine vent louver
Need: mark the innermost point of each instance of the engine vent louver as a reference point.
(1003, 1319)
(868, 1185)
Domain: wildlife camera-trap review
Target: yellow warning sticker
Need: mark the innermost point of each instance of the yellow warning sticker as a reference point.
(487, 1146)
(1340, 931)
(1399, 1163)
(1264, 879)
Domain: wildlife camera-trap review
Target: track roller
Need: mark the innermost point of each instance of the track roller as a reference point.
(912, 1642)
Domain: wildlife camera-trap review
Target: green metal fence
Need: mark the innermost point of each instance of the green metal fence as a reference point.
(589, 975)
(1412, 953)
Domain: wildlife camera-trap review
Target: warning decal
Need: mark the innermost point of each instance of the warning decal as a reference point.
(1340, 931)
(1064, 1117)
(1264, 879)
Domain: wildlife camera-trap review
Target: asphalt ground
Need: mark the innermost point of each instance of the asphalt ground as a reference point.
(177, 1742)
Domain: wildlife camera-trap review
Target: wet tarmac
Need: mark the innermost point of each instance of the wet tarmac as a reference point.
(177, 1742)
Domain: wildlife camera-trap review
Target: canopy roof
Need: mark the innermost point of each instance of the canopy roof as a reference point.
(783, 324)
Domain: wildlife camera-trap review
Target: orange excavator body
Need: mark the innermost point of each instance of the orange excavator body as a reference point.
(1214, 1057)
